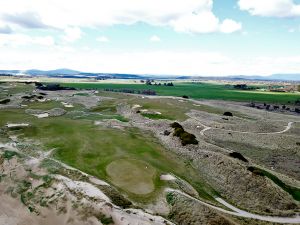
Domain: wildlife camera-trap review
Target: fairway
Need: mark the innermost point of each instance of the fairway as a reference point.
(132, 175)
(198, 91)
(91, 148)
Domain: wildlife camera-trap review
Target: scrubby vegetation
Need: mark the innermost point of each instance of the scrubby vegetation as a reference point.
(295, 192)
(228, 114)
(10, 154)
(238, 155)
(185, 137)
(4, 101)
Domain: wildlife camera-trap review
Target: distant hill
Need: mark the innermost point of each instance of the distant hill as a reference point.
(52, 72)
(68, 73)
(295, 77)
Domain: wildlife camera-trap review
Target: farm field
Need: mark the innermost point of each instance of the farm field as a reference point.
(198, 91)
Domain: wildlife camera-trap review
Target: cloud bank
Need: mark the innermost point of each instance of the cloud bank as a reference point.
(192, 16)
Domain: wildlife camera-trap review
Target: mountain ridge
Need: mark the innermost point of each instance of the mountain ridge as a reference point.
(64, 72)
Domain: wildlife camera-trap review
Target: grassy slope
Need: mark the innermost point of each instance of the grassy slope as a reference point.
(295, 192)
(89, 148)
(199, 91)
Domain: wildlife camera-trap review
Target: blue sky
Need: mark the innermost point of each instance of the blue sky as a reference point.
(186, 37)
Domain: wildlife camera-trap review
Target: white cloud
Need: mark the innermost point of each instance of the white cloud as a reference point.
(103, 39)
(291, 30)
(270, 8)
(229, 26)
(182, 15)
(72, 34)
(15, 40)
(147, 62)
(155, 38)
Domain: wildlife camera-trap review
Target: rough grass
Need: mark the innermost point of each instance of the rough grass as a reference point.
(172, 109)
(156, 116)
(199, 91)
(295, 192)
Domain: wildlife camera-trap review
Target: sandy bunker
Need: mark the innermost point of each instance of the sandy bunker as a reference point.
(133, 176)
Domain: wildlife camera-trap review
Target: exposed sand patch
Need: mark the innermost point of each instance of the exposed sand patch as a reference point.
(167, 177)
(11, 125)
(132, 175)
(67, 105)
(98, 182)
(42, 115)
(83, 187)
(136, 106)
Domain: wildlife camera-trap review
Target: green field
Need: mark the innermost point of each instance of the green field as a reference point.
(199, 91)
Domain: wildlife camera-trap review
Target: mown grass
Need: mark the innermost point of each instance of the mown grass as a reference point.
(198, 91)
(172, 109)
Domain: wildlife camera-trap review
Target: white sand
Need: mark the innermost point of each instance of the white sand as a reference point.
(9, 125)
(83, 187)
(67, 105)
(98, 182)
(42, 115)
(167, 177)
(136, 106)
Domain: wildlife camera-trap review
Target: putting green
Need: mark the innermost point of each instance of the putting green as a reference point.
(133, 176)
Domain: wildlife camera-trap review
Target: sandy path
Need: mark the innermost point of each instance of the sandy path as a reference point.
(206, 128)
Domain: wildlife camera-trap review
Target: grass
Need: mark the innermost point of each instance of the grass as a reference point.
(90, 148)
(132, 175)
(295, 192)
(171, 109)
(199, 91)
(156, 116)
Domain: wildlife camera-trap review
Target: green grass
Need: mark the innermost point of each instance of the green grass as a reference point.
(199, 91)
(171, 109)
(156, 116)
(90, 148)
(295, 192)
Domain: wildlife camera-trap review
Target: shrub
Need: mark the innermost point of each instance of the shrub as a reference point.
(255, 171)
(167, 133)
(170, 198)
(4, 101)
(228, 114)
(238, 155)
(10, 154)
(178, 132)
(185, 137)
(176, 125)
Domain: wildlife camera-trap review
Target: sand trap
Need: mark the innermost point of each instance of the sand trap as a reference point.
(42, 115)
(96, 181)
(167, 177)
(133, 176)
(10, 125)
(83, 187)
(67, 105)
(136, 106)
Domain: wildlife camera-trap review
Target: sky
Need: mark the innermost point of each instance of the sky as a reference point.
(163, 37)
